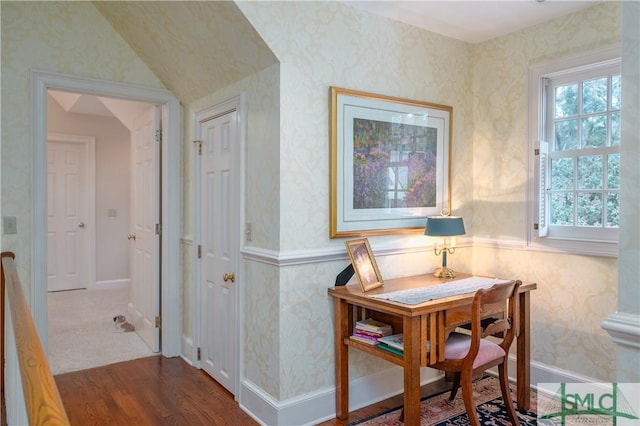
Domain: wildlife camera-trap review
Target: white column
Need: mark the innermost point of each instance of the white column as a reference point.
(624, 325)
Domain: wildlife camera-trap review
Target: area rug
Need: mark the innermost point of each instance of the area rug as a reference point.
(439, 411)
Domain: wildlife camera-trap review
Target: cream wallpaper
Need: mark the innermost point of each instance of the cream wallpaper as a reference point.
(357, 51)
(575, 293)
(322, 44)
(261, 198)
(65, 37)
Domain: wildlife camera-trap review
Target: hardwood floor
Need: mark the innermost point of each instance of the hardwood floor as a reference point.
(147, 391)
(168, 391)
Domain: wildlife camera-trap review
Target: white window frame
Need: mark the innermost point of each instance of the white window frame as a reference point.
(538, 236)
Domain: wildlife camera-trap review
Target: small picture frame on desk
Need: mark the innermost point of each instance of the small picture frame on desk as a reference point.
(364, 264)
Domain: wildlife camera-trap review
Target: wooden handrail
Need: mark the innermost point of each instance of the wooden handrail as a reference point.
(42, 400)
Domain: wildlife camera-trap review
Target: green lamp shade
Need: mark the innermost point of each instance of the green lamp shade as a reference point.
(444, 226)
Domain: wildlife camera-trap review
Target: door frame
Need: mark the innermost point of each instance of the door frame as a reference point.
(90, 143)
(41, 82)
(236, 103)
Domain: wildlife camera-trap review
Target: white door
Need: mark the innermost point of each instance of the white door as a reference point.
(68, 218)
(219, 233)
(144, 300)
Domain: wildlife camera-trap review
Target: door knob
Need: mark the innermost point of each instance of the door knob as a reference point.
(229, 277)
(81, 225)
(131, 237)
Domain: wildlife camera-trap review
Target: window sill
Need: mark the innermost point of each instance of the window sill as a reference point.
(580, 247)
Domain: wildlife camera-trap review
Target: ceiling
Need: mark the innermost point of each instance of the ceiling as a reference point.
(78, 103)
(473, 21)
(143, 25)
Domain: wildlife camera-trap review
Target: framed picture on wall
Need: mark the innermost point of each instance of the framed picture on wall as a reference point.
(389, 163)
(364, 264)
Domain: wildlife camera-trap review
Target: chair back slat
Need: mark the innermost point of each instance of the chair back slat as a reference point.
(500, 298)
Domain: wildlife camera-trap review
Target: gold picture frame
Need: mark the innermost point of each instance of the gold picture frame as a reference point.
(364, 264)
(389, 163)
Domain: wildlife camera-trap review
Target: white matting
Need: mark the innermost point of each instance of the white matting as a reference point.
(82, 334)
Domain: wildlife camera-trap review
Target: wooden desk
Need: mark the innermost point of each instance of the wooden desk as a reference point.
(429, 321)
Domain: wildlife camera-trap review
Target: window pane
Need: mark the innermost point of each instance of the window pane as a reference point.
(594, 131)
(615, 92)
(562, 208)
(613, 171)
(566, 135)
(590, 209)
(590, 172)
(562, 173)
(594, 95)
(613, 210)
(566, 101)
(615, 129)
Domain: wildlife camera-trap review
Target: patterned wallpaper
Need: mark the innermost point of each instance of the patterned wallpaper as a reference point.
(261, 198)
(65, 37)
(364, 52)
(320, 44)
(359, 51)
(575, 293)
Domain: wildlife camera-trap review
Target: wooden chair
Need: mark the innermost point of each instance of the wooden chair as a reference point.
(467, 355)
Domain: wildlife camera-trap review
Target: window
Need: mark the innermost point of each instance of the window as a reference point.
(575, 128)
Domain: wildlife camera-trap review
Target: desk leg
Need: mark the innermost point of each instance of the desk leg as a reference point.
(341, 312)
(524, 352)
(412, 350)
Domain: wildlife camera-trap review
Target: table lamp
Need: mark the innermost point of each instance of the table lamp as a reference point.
(444, 226)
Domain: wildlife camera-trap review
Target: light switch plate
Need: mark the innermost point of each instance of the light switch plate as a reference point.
(9, 225)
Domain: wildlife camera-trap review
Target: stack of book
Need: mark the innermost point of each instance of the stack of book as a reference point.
(369, 331)
(393, 343)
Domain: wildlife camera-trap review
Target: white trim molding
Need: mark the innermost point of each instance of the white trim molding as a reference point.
(624, 328)
(41, 81)
(318, 406)
(109, 284)
(327, 254)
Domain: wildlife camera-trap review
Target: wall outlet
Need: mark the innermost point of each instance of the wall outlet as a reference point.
(9, 225)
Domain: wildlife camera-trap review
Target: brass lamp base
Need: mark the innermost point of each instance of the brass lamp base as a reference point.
(444, 272)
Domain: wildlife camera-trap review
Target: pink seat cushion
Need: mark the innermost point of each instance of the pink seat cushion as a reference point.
(457, 347)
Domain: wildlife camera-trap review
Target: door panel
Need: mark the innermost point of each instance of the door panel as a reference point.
(144, 303)
(219, 230)
(67, 216)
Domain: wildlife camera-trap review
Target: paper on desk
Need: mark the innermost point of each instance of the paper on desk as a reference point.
(419, 295)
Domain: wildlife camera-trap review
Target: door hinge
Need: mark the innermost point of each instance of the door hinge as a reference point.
(158, 322)
(158, 229)
(198, 354)
(536, 151)
(199, 146)
(536, 226)
(159, 135)
(199, 251)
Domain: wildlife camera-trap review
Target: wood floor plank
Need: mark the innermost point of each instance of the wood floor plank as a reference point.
(147, 391)
(159, 391)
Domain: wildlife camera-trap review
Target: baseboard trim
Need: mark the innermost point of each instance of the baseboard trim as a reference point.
(186, 350)
(99, 285)
(319, 406)
(543, 373)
